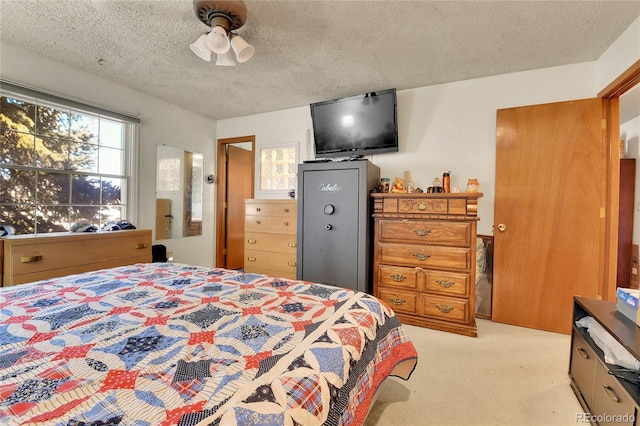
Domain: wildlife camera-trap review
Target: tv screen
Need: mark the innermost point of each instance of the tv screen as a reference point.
(355, 126)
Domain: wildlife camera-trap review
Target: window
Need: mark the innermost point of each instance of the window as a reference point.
(278, 167)
(60, 163)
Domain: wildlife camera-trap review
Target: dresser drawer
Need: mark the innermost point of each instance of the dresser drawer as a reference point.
(269, 260)
(399, 300)
(452, 258)
(446, 308)
(259, 209)
(428, 232)
(270, 224)
(289, 209)
(610, 399)
(447, 283)
(583, 364)
(41, 255)
(397, 276)
(280, 243)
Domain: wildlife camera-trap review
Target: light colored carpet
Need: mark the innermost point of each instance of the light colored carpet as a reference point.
(506, 376)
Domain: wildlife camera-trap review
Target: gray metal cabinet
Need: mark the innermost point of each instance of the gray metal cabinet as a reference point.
(334, 223)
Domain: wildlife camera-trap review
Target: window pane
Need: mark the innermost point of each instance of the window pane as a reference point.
(111, 134)
(85, 190)
(52, 219)
(17, 186)
(84, 128)
(21, 216)
(53, 188)
(52, 153)
(83, 157)
(89, 213)
(17, 115)
(110, 214)
(52, 121)
(111, 161)
(16, 148)
(112, 190)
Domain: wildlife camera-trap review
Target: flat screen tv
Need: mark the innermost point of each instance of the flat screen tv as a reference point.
(356, 126)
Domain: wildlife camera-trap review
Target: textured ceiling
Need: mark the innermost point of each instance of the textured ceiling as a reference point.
(309, 51)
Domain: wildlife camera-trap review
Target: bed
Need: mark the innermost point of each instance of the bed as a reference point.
(174, 344)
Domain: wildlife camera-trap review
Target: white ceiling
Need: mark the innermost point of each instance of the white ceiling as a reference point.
(309, 51)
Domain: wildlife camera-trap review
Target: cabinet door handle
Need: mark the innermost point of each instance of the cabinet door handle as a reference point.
(445, 283)
(292, 264)
(582, 353)
(286, 210)
(286, 223)
(292, 245)
(397, 301)
(610, 393)
(258, 222)
(421, 232)
(422, 206)
(251, 259)
(397, 277)
(251, 241)
(445, 309)
(258, 209)
(421, 256)
(30, 259)
(141, 246)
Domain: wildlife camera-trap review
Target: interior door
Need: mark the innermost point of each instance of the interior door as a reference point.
(551, 165)
(239, 188)
(163, 218)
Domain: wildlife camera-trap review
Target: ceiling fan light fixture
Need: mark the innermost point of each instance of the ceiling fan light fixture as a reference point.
(243, 50)
(200, 48)
(217, 40)
(225, 59)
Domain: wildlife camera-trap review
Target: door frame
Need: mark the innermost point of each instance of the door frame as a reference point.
(221, 193)
(610, 96)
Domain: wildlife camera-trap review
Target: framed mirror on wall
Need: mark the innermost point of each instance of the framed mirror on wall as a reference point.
(179, 192)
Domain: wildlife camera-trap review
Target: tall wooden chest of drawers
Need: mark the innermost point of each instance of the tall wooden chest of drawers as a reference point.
(270, 237)
(424, 258)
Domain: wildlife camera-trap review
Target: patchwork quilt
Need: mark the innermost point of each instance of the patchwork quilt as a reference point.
(173, 344)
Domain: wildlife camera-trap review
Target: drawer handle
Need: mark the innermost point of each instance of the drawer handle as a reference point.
(421, 232)
(257, 222)
(30, 259)
(292, 264)
(610, 393)
(251, 241)
(397, 301)
(286, 210)
(258, 209)
(422, 206)
(286, 223)
(292, 245)
(421, 256)
(582, 353)
(251, 259)
(445, 309)
(397, 277)
(141, 246)
(445, 283)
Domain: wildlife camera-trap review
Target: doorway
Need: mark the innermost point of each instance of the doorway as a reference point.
(236, 171)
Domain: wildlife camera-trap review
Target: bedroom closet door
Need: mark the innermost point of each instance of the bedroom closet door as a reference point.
(549, 230)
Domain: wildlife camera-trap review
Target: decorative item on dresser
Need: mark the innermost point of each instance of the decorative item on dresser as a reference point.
(270, 237)
(424, 258)
(42, 256)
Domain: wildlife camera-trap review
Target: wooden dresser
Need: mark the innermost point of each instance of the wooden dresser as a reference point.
(424, 258)
(270, 237)
(30, 258)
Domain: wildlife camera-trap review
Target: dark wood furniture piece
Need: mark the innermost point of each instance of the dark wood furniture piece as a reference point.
(605, 398)
(625, 220)
(424, 254)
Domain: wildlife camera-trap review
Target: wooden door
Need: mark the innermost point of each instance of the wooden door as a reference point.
(163, 218)
(239, 188)
(625, 222)
(551, 165)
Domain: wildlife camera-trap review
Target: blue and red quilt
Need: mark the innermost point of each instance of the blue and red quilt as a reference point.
(173, 344)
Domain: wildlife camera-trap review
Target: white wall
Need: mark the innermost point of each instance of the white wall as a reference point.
(445, 127)
(622, 53)
(162, 123)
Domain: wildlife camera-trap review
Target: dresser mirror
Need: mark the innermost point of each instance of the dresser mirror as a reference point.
(179, 179)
